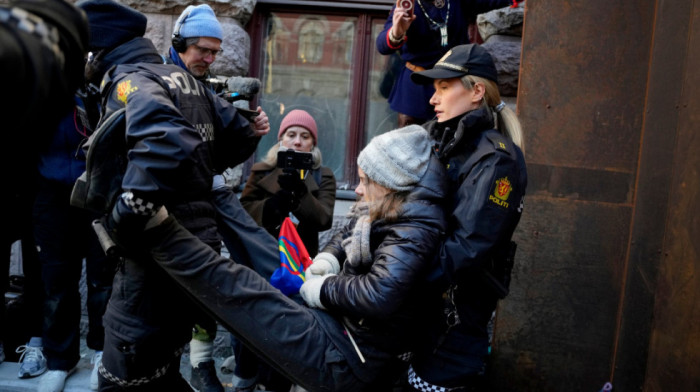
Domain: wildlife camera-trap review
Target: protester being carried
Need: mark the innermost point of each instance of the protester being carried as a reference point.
(366, 307)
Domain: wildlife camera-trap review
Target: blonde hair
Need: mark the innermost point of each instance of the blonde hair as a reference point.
(389, 207)
(271, 156)
(506, 120)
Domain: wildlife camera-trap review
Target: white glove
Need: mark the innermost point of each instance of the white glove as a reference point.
(311, 291)
(324, 264)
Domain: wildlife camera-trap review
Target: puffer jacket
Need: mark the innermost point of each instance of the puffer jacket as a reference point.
(383, 306)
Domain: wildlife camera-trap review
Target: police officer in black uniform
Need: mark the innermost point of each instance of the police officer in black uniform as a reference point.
(479, 140)
(176, 136)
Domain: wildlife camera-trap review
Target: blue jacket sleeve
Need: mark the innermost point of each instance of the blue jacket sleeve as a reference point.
(382, 42)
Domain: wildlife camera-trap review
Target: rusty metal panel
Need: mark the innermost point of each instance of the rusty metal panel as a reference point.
(581, 100)
(556, 329)
(583, 80)
(674, 352)
(668, 70)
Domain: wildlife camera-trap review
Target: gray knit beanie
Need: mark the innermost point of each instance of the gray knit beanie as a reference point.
(397, 159)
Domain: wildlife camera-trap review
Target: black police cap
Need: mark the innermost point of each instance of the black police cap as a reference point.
(470, 59)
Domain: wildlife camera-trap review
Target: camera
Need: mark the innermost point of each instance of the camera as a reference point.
(291, 159)
(406, 4)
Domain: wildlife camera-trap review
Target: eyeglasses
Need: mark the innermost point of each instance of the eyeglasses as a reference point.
(204, 52)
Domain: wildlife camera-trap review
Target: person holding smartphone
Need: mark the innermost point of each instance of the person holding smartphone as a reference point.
(275, 190)
(421, 32)
(273, 193)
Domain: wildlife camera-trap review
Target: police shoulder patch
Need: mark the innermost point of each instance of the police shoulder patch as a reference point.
(124, 88)
(501, 192)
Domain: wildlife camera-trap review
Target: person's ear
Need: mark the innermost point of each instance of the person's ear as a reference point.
(479, 92)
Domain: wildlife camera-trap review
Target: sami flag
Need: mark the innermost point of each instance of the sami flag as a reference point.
(294, 258)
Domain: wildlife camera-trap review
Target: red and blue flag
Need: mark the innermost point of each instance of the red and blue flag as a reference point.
(294, 259)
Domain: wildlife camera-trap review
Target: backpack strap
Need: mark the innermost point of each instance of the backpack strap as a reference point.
(100, 184)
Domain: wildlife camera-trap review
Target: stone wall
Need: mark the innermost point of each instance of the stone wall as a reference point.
(232, 14)
(502, 30)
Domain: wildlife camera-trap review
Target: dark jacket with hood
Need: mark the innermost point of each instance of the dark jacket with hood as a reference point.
(487, 179)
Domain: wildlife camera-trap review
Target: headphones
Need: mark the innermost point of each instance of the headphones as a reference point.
(178, 42)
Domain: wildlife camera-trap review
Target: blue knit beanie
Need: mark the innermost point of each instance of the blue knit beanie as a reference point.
(112, 23)
(198, 21)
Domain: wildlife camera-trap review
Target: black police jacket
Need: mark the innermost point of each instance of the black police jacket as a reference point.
(487, 181)
(178, 135)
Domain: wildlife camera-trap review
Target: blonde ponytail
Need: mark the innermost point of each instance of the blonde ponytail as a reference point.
(506, 120)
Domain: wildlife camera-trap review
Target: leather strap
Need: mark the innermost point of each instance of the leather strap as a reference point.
(413, 67)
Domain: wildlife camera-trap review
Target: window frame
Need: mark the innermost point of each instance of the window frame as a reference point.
(366, 12)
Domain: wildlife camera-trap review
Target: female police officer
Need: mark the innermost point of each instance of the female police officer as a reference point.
(479, 140)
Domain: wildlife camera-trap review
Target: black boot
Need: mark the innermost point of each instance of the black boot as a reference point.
(204, 378)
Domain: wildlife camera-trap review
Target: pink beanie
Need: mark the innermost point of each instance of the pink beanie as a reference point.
(299, 118)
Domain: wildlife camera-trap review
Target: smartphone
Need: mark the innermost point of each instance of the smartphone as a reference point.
(291, 159)
(407, 5)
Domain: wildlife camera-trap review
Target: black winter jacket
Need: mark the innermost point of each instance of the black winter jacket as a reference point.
(384, 306)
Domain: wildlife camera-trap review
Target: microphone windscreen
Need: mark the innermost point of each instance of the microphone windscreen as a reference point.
(243, 85)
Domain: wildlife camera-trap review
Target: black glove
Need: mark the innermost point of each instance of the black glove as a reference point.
(292, 182)
(124, 227)
(278, 207)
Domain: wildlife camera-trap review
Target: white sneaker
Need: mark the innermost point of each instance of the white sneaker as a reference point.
(32, 363)
(54, 380)
(96, 361)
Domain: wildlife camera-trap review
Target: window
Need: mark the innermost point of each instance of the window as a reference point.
(323, 60)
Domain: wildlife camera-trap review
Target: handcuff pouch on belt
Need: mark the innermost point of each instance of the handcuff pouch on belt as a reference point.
(496, 275)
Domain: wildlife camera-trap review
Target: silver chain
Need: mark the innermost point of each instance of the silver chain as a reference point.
(447, 18)
(441, 26)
